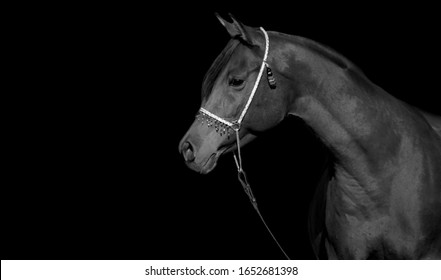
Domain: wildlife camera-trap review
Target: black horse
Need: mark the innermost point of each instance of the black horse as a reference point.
(383, 199)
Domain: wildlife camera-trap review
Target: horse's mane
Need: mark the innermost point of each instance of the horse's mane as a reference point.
(329, 54)
(217, 66)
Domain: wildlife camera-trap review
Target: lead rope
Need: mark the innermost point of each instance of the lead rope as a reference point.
(247, 188)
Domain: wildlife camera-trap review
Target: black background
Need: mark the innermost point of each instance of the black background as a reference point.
(107, 93)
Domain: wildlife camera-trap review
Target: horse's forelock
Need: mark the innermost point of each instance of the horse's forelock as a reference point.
(217, 66)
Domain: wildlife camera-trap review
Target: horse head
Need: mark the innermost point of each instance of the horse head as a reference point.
(239, 99)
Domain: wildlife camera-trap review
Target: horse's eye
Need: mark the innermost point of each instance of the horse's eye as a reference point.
(236, 82)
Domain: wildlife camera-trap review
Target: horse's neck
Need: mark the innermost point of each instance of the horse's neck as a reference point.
(361, 141)
(385, 152)
(373, 136)
(353, 119)
(344, 116)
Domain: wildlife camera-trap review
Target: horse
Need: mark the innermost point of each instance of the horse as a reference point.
(382, 199)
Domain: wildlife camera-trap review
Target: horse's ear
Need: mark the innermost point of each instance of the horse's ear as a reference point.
(236, 29)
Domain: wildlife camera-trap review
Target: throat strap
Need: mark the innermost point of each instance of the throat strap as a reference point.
(259, 77)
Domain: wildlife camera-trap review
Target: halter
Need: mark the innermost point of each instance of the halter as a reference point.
(235, 125)
(224, 125)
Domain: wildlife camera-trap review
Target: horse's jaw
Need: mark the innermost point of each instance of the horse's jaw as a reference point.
(210, 164)
(207, 165)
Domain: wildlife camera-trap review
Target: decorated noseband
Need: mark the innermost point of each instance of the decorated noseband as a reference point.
(219, 126)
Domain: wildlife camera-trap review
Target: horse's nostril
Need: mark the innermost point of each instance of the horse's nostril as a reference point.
(185, 146)
(187, 150)
(189, 156)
